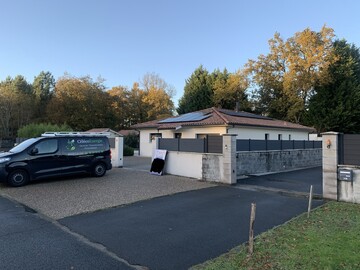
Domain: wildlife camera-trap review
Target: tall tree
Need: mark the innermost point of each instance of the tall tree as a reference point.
(157, 96)
(120, 106)
(81, 103)
(335, 106)
(198, 92)
(286, 77)
(230, 91)
(16, 103)
(43, 87)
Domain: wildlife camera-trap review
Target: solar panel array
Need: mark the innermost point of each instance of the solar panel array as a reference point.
(188, 117)
(245, 114)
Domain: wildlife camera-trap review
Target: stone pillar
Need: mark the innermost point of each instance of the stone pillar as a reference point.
(229, 159)
(330, 158)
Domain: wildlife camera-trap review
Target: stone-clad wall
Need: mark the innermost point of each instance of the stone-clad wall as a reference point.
(276, 161)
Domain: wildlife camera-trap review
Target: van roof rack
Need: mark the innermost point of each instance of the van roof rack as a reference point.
(66, 133)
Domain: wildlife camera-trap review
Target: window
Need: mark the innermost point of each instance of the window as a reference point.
(279, 137)
(267, 136)
(201, 136)
(177, 135)
(47, 147)
(154, 135)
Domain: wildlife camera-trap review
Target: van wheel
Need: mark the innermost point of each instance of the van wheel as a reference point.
(18, 178)
(99, 170)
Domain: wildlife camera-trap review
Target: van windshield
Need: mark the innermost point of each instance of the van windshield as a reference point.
(22, 146)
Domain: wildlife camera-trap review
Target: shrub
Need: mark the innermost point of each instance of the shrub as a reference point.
(132, 140)
(128, 151)
(35, 130)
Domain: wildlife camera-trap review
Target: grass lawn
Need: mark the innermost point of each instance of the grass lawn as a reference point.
(329, 239)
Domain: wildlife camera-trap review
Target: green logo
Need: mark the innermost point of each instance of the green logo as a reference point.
(70, 145)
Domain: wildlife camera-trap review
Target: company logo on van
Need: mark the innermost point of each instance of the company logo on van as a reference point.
(89, 141)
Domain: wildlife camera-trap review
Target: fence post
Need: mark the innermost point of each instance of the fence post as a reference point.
(293, 144)
(249, 144)
(178, 144)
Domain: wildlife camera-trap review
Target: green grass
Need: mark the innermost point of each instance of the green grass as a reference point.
(329, 239)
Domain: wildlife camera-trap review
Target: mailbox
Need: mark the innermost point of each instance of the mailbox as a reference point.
(345, 175)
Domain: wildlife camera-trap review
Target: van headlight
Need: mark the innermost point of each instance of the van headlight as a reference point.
(4, 159)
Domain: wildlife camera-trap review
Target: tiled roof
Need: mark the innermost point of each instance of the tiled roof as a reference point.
(126, 132)
(103, 130)
(222, 117)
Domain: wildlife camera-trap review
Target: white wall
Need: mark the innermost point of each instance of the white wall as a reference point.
(184, 164)
(259, 133)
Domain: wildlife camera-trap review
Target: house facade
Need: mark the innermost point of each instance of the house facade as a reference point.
(214, 121)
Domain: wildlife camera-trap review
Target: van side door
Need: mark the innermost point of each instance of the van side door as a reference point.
(76, 159)
(44, 158)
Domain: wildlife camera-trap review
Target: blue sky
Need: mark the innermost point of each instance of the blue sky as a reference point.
(121, 40)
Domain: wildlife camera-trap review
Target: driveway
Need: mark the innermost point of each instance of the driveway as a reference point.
(176, 232)
(296, 182)
(196, 222)
(66, 197)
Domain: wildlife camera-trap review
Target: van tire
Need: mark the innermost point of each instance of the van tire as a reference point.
(18, 178)
(99, 169)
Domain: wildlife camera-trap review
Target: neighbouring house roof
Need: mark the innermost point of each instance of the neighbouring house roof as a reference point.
(126, 132)
(104, 130)
(220, 117)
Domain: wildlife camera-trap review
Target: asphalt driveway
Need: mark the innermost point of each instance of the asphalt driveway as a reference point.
(165, 222)
(176, 232)
(298, 181)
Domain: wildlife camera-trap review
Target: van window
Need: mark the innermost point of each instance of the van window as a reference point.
(47, 147)
(84, 145)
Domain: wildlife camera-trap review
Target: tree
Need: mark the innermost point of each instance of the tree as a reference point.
(16, 105)
(230, 91)
(157, 96)
(120, 106)
(335, 106)
(81, 103)
(286, 77)
(43, 87)
(198, 92)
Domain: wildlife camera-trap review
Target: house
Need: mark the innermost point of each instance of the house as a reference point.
(215, 121)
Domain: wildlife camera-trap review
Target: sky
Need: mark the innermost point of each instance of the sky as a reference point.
(122, 40)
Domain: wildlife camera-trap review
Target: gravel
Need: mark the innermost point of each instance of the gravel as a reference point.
(67, 197)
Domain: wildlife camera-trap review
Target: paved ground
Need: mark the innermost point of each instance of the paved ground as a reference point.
(28, 241)
(298, 181)
(137, 163)
(166, 232)
(66, 197)
(176, 232)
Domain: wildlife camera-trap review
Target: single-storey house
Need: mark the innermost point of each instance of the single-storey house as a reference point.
(215, 121)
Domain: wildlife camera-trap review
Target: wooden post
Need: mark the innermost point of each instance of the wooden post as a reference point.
(310, 201)
(251, 230)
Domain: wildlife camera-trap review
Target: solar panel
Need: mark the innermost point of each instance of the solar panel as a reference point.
(244, 114)
(188, 117)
